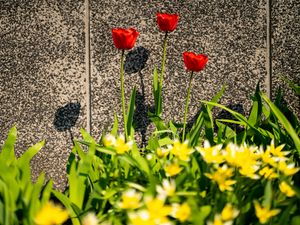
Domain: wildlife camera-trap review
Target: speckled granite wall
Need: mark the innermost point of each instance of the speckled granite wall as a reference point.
(42, 70)
(43, 74)
(286, 48)
(233, 34)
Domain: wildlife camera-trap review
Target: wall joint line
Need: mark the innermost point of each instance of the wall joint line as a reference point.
(88, 65)
(268, 80)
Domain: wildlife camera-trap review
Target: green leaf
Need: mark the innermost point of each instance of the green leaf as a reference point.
(130, 112)
(217, 97)
(173, 128)
(86, 136)
(209, 124)
(194, 134)
(268, 195)
(8, 204)
(158, 122)
(230, 121)
(200, 216)
(30, 153)
(165, 141)
(255, 114)
(34, 197)
(295, 220)
(68, 204)
(114, 130)
(284, 121)
(157, 93)
(77, 185)
(99, 148)
(47, 192)
(7, 154)
(225, 133)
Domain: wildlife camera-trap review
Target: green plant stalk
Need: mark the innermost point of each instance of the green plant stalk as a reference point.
(158, 111)
(123, 94)
(187, 106)
(163, 60)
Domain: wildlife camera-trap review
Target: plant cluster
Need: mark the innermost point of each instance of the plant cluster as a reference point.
(210, 173)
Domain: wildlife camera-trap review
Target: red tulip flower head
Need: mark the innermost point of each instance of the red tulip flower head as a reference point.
(167, 22)
(194, 62)
(124, 38)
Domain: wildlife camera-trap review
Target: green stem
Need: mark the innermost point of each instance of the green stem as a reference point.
(123, 94)
(163, 60)
(187, 105)
(162, 73)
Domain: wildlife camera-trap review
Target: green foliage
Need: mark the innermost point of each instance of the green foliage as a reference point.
(20, 198)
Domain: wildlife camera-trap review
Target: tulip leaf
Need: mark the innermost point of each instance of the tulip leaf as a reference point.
(284, 121)
(157, 93)
(7, 154)
(130, 112)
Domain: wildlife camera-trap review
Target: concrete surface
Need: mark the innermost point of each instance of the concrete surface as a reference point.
(47, 65)
(285, 21)
(42, 70)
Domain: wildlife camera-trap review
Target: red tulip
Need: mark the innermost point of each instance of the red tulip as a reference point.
(124, 38)
(167, 22)
(194, 62)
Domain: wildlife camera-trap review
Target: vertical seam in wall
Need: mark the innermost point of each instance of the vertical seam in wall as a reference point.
(269, 50)
(88, 65)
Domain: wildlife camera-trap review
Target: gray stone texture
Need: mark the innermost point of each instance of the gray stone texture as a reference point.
(285, 21)
(43, 74)
(233, 34)
(42, 69)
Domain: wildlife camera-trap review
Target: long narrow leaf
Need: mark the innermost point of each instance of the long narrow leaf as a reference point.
(284, 121)
(255, 114)
(130, 112)
(68, 204)
(7, 154)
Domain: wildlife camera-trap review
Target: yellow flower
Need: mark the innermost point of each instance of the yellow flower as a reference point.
(118, 143)
(51, 214)
(211, 154)
(268, 159)
(109, 140)
(287, 169)
(277, 151)
(141, 218)
(162, 152)
(181, 212)
(221, 176)
(240, 155)
(90, 219)
(229, 212)
(217, 221)
(268, 173)
(249, 170)
(264, 213)
(157, 210)
(286, 189)
(172, 169)
(122, 147)
(168, 188)
(130, 199)
(181, 150)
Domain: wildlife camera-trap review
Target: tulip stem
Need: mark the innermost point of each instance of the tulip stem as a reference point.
(123, 93)
(187, 106)
(162, 73)
(164, 59)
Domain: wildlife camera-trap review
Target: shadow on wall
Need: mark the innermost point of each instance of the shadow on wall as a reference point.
(226, 115)
(66, 116)
(134, 63)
